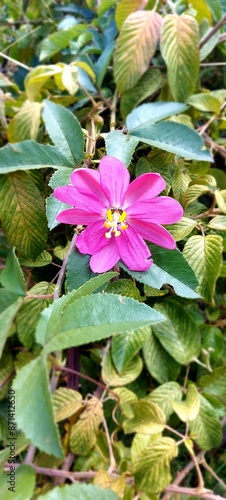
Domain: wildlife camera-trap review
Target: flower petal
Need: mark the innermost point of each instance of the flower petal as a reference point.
(162, 210)
(133, 250)
(92, 239)
(154, 233)
(77, 216)
(69, 194)
(114, 180)
(145, 187)
(87, 184)
(106, 258)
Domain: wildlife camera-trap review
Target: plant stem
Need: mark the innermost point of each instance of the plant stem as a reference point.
(213, 31)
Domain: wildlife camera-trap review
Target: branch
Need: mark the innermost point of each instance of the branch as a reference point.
(213, 31)
(63, 269)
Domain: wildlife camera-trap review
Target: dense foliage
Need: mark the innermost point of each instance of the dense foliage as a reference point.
(116, 381)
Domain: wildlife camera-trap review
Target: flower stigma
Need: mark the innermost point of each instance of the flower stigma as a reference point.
(115, 222)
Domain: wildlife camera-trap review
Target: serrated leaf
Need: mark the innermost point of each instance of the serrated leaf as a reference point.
(136, 45)
(103, 62)
(111, 376)
(188, 410)
(65, 131)
(148, 418)
(99, 317)
(140, 443)
(92, 285)
(179, 47)
(221, 199)
(123, 9)
(65, 403)
(37, 77)
(204, 255)
(22, 214)
(60, 178)
(6, 372)
(152, 112)
(104, 5)
(25, 124)
(146, 86)
(28, 155)
(179, 334)
(182, 228)
(28, 315)
(152, 470)
(205, 102)
(192, 194)
(24, 483)
(125, 146)
(79, 492)
(11, 277)
(6, 321)
(159, 363)
(41, 428)
(164, 394)
(169, 268)
(175, 138)
(105, 480)
(125, 346)
(83, 433)
(59, 40)
(213, 342)
(126, 398)
(43, 259)
(206, 429)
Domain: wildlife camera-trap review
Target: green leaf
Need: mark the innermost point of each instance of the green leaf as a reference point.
(175, 138)
(215, 383)
(125, 346)
(125, 146)
(180, 49)
(148, 418)
(79, 492)
(83, 433)
(179, 334)
(65, 403)
(60, 177)
(78, 270)
(164, 394)
(152, 112)
(12, 277)
(124, 287)
(188, 410)
(41, 429)
(22, 214)
(136, 45)
(28, 155)
(6, 322)
(99, 317)
(103, 63)
(205, 102)
(59, 40)
(182, 228)
(169, 268)
(91, 286)
(215, 7)
(152, 468)
(146, 86)
(213, 342)
(104, 5)
(206, 429)
(43, 259)
(28, 315)
(111, 377)
(204, 255)
(159, 363)
(25, 124)
(65, 131)
(24, 483)
(6, 372)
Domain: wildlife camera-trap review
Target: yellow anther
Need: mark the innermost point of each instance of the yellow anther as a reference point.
(109, 215)
(117, 233)
(124, 226)
(108, 235)
(122, 217)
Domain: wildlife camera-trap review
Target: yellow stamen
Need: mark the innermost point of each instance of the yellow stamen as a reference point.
(115, 222)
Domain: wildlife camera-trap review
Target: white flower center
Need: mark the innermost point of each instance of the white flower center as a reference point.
(115, 222)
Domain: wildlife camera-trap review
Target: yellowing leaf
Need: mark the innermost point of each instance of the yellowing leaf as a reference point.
(179, 47)
(148, 418)
(188, 410)
(83, 433)
(136, 45)
(124, 8)
(204, 255)
(25, 124)
(65, 403)
(105, 480)
(37, 78)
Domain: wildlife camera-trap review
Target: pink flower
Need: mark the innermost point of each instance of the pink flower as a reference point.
(118, 215)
